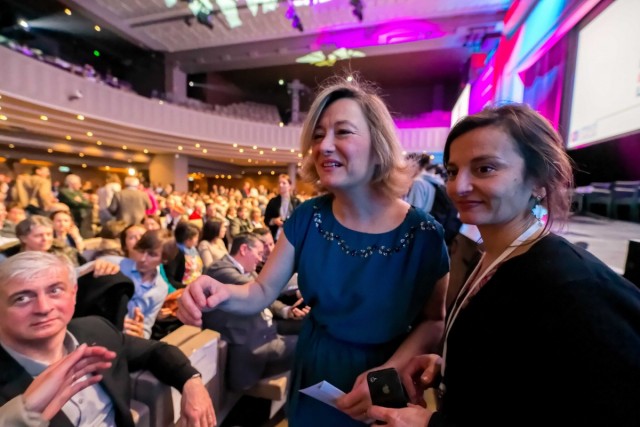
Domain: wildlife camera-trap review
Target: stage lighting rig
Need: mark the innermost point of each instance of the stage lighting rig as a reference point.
(205, 18)
(357, 8)
(292, 16)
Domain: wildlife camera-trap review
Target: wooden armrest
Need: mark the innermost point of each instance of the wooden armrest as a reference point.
(273, 388)
(181, 335)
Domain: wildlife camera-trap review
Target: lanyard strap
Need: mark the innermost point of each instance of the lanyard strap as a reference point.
(475, 282)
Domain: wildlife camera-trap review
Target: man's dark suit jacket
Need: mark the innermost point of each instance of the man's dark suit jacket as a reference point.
(166, 362)
(244, 333)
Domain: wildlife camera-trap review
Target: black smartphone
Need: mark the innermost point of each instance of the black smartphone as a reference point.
(386, 389)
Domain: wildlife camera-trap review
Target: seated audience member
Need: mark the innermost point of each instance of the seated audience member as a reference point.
(211, 212)
(255, 348)
(152, 222)
(129, 237)
(199, 210)
(173, 212)
(187, 265)
(143, 267)
(212, 246)
(65, 232)
(52, 389)
(16, 213)
(257, 220)
(7, 228)
(36, 234)
(289, 304)
(37, 299)
(241, 223)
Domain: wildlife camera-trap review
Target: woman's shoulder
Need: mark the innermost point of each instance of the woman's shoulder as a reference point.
(417, 218)
(315, 204)
(203, 245)
(553, 259)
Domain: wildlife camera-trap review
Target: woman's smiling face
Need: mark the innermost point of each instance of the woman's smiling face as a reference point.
(487, 178)
(341, 147)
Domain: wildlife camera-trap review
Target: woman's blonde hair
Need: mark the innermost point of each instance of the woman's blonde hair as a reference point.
(392, 177)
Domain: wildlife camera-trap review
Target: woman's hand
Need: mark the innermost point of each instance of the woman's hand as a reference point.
(411, 416)
(135, 326)
(203, 293)
(357, 401)
(50, 390)
(299, 313)
(419, 374)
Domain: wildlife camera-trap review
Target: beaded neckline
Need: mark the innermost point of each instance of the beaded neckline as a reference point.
(408, 236)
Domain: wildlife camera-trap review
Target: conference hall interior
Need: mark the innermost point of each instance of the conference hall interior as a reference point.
(197, 107)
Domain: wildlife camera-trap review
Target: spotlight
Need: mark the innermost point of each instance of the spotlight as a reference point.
(292, 16)
(205, 18)
(357, 8)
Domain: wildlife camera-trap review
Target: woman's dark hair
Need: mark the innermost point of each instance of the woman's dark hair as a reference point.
(123, 237)
(66, 212)
(185, 230)
(211, 230)
(158, 239)
(156, 218)
(541, 147)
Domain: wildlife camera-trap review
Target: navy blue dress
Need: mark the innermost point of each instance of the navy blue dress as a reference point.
(365, 290)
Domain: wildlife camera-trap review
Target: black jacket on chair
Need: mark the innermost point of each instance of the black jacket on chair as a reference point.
(105, 296)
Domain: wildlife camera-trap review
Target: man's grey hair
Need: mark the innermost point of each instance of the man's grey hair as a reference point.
(25, 266)
(70, 179)
(131, 181)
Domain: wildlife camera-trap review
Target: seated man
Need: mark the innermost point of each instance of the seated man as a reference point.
(255, 349)
(289, 305)
(37, 298)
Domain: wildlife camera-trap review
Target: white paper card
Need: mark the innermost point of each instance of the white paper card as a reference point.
(324, 392)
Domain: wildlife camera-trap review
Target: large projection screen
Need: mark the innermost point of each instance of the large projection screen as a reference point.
(606, 91)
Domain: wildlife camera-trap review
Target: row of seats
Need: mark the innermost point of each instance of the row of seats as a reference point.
(612, 196)
(154, 401)
(250, 110)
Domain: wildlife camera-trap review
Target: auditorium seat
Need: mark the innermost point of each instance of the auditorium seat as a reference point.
(157, 396)
(626, 193)
(600, 195)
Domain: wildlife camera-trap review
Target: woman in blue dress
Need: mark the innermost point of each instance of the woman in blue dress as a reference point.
(373, 269)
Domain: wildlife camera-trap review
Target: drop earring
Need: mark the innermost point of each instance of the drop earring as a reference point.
(538, 211)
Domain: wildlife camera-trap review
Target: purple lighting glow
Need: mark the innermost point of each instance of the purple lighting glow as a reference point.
(407, 31)
(389, 33)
